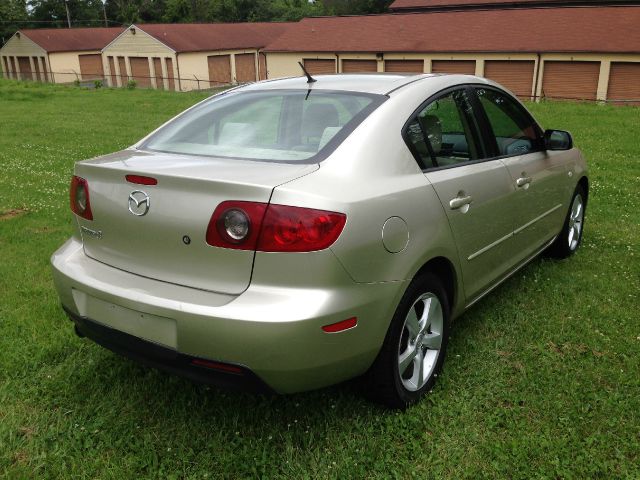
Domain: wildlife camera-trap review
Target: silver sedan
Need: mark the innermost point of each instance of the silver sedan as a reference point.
(292, 234)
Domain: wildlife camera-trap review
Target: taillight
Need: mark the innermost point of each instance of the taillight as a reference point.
(79, 197)
(273, 228)
(295, 229)
(236, 225)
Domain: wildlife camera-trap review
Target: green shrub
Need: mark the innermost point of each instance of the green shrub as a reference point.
(97, 84)
(131, 84)
(76, 82)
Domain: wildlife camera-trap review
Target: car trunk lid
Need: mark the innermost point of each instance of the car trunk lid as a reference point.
(164, 237)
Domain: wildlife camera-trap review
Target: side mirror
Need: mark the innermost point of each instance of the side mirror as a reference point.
(557, 140)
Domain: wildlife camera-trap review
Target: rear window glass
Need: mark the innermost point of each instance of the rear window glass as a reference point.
(278, 125)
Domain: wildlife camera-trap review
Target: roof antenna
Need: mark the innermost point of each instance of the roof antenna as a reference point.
(310, 79)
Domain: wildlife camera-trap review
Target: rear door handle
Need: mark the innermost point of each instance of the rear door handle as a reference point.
(522, 181)
(458, 202)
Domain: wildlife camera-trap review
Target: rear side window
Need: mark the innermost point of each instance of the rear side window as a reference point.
(444, 133)
(515, 132)
(278, 125)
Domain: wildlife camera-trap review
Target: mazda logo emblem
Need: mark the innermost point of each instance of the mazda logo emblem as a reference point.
(139, 203)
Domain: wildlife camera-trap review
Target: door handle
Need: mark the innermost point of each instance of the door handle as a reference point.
(459, 202)
(522, 181)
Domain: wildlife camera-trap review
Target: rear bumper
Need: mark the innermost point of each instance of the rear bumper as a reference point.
(273, 331)
(163, 358)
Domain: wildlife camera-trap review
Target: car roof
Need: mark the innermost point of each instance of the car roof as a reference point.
(376, 83)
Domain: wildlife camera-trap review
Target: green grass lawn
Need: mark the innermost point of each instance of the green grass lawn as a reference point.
(542, 378)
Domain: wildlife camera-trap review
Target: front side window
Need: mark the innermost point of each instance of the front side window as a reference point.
(515, 132)
(278, 125)
(444, 132)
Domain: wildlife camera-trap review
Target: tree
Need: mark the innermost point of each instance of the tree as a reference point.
(52, 13)
(13, 14)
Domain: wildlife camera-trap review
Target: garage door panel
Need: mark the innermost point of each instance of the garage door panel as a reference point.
(25, 68)
(359, 66)
(245, 67)
(91, 67)
(624, 83)
(170, 74)
(570, 80)
(465, 67)
(320, 66)
(140, 71)
(157, 67)
(37, 67)
(404, 66)
(219, 70)
(262, 66)
(516, 75)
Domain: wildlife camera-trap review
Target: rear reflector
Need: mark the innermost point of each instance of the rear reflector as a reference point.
(141, 180)
(341, 326)
(223, 367)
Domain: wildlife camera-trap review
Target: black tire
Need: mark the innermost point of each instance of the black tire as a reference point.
(562, 247)
(384, 381)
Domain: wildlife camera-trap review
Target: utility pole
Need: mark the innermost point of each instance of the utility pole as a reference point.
(104, 12)
(66, 6)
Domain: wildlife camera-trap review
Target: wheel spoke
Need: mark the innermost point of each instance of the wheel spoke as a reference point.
(571, 232)
(407, 357)
(432, 341)
(576, 231)
(420, 369)
(430, 307)
(577, 209)
(412, 323)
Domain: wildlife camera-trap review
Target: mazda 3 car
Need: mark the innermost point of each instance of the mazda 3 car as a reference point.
(292, 234)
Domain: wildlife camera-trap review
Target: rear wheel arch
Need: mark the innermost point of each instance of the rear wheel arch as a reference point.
(443, 268)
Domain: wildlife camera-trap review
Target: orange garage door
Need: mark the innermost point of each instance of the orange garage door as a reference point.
(219, 70)
(245, 67)
(570, 80)
(320, 66)
(624, 82)
(91, 67)
(140, 71)
(467, 67)
(404, 66)
(25, 68)
(359, 66)
(517, 76)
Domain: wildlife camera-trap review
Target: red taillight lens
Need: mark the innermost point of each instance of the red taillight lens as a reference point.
(141, 180)
(79, 197)
(273, 228)
(236, 225)
(295, 229)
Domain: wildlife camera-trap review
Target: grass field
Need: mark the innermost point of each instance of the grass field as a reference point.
(542, 378)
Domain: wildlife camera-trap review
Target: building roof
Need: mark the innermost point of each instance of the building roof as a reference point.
(71, 39)
(400, 5)
(580, 29)
(199, 37)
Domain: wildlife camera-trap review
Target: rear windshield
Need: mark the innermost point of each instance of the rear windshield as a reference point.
(279, 125)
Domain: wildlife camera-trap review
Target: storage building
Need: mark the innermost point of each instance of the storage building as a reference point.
(189, 56)
(56, 54)
(571, 53)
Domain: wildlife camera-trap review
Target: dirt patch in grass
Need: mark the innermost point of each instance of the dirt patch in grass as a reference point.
(13, 213)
